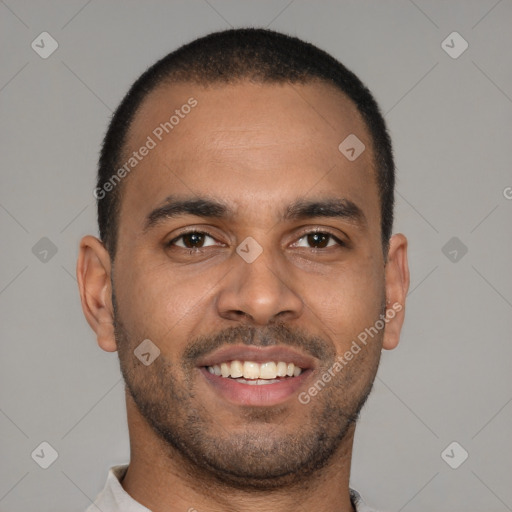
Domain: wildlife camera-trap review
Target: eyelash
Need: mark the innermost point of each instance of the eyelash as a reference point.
(200, 249)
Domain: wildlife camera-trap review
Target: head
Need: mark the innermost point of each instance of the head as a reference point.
(240, 229)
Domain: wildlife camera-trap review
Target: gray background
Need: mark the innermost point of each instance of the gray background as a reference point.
(450, 120)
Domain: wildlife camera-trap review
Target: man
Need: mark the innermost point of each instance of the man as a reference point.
(246, 275)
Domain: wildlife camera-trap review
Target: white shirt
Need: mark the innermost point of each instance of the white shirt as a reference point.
(113, 498)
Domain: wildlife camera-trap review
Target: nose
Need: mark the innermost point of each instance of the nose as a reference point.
(260, 291)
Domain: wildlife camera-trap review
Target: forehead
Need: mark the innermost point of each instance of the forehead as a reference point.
(252, 145)
(314, 112)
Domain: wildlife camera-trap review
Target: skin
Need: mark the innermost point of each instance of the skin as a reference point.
(257, 148)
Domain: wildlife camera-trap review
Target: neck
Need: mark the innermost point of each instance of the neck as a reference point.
(159, 478)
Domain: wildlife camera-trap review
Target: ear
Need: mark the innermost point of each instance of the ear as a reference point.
(397, 286)
(93, 274)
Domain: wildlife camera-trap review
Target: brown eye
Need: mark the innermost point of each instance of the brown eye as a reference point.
(319, 240)
(191, 240)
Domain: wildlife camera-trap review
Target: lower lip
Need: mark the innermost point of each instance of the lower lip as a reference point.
(248, 394)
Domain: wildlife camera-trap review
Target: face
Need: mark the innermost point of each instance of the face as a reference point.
(249, 246)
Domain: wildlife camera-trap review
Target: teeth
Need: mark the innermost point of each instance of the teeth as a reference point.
(237, 369)
(255, 373)
(281, 369)
(251, 370)
(268, 370)
(225, 369)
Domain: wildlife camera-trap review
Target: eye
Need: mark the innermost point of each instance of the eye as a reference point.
(191, 240)
(320, 239)
(197, 240)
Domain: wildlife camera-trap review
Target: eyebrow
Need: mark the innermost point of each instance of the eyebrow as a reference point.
(300, 209)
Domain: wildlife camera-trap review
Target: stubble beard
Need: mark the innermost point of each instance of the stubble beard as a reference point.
(265, 455)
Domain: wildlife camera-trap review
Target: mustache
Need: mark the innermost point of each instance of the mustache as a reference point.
(267, 336)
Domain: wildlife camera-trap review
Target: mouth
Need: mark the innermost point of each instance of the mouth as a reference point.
(261, 376)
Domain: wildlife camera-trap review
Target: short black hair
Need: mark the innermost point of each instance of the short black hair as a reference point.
(230, 56)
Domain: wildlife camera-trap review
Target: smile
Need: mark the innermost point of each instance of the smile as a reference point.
(256, 376)
(251, 372)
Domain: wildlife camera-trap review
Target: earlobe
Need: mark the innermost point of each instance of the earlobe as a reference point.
(93, 274)
(397, 286)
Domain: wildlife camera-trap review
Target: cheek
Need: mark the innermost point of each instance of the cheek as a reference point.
(348, 299)
(160, 304)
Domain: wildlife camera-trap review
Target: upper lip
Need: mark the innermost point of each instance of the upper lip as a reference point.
(257, 355)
